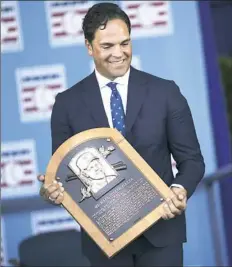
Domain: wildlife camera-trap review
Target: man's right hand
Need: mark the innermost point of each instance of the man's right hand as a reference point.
(52, 192)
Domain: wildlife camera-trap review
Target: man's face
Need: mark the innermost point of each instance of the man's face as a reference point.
(111, 49)
(95, 170)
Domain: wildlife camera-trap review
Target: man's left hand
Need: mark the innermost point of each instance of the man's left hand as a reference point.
(175, 204)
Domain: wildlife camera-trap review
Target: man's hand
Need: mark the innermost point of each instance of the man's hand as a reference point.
(52, 192)
(175, 204)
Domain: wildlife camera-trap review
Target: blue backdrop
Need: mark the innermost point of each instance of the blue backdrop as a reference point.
(43, 53)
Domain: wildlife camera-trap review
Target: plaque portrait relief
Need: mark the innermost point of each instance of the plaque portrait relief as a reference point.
(110, 190)
(94, 171)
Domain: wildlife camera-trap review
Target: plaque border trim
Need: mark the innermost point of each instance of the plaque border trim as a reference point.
(110, 248)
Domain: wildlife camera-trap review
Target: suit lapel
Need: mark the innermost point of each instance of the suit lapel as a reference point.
(93, 100)
(135, 98)
(136, 95)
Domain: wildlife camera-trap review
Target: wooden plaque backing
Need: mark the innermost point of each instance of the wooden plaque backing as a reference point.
(110, 248)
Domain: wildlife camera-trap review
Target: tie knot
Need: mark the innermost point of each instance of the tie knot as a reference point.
(113, 86)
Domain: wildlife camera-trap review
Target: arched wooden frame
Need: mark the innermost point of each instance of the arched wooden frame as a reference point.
(110, 248)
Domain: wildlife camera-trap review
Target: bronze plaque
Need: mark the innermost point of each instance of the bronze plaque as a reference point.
(109, 189)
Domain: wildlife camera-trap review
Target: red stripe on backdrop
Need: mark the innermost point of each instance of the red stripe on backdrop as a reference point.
(10, 19)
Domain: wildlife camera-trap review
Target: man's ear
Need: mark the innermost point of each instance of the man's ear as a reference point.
(89, 47)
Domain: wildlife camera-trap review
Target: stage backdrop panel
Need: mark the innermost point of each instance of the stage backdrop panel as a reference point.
(47, 55)
(56, 219)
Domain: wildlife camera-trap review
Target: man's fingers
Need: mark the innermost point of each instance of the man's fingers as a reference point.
(180, 205)
(59, 199)
(167, 214)
(171, 204)
(54, 194)
(164, 216)
(172, 207)
(175, 203)
(180, 199)
(41, 178)
(50, 189)
(181, 195)
(45, 188)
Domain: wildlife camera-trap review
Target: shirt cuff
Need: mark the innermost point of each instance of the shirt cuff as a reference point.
(177, 185)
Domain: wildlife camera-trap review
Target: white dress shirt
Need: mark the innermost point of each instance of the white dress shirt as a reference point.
(122, 86)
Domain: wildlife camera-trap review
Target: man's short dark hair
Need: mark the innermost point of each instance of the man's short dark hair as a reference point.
(98, 16)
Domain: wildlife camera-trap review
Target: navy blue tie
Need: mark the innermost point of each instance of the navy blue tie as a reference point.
(117, 111)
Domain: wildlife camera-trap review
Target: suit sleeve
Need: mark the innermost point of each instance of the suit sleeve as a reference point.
(60, 127)
(183, 142)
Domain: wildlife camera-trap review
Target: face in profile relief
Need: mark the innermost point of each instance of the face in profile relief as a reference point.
(92, 169)
(95, 170)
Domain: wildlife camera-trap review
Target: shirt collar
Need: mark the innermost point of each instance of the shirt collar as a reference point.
(103, 81)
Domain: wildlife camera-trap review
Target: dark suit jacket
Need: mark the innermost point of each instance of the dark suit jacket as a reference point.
(158, 122)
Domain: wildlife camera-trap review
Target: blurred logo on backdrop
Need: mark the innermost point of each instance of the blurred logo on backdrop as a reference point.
(11, 37)
(136, 63)
(149, 18)
(65, 21)
(3, 245)
(18, 169)
(52, 220)
(37, 88)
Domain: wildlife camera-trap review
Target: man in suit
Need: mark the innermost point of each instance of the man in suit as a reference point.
(153, 116)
